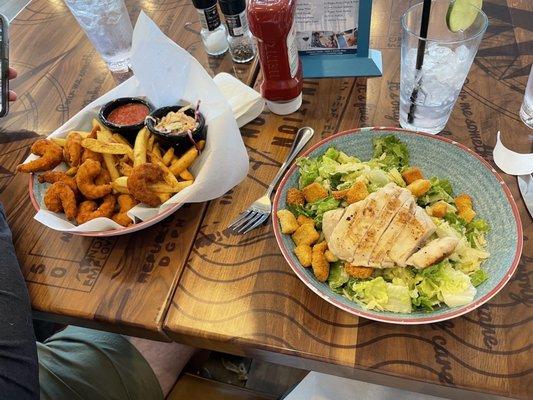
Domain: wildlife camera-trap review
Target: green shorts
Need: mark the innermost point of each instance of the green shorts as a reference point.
(80, 363)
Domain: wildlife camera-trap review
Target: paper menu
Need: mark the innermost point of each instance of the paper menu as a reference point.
(328, 26)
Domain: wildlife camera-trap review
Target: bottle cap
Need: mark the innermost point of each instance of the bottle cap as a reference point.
(232, 7)
(202, 4)
(285, 107)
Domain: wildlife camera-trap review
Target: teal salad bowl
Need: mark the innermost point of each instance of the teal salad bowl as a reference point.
(436, 156)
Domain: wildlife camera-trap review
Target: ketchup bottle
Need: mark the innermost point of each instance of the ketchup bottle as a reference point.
(272, 23)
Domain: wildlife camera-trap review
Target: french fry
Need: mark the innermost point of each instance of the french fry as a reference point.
(165, 188)
(97, 126)
(124, 168)
(150, 143)
(168, 156)
(139, 148)
(186, 175)
(109, 161)
(169, 176)
(164, 196)
(71, 171)
(120, 139)
(156, 152)
(59, 141)
(120, 185)
(201, 144)
(105, 136)
(184, 161)
(99, 146)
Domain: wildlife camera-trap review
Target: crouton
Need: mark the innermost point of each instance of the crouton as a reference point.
(439, 209)
(305, 234)
(288, 221)
(319, 262)
(358, 272)
(315, 191)
(467, 214)
(295, 197)
(304, 254)
(356, 193)
(339, 194)
(419, 187)
(463, 201)
(330, 256)
(302, 219)
(412, 174)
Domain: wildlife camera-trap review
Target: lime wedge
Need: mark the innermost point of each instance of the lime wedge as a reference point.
(461, 14)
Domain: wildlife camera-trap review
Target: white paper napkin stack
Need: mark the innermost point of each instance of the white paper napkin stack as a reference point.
(246, 103)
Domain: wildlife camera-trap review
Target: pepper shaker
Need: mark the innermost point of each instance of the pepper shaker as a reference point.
(213, 33)
(240, 39)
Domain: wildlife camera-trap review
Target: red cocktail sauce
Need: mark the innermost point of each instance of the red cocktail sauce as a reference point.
(128, 114)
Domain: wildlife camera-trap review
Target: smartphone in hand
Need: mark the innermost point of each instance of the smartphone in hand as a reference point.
(4, 66)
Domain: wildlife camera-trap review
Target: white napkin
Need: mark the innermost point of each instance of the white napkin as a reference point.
(246, 103)
(511, 162)
(165, 73)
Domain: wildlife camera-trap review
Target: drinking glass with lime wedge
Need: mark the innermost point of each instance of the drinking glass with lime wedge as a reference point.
(454, 34)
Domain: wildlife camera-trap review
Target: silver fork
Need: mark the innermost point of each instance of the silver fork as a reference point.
(260, 210)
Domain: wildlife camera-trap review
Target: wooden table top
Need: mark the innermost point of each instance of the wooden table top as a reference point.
(238, 294)
(123, 283)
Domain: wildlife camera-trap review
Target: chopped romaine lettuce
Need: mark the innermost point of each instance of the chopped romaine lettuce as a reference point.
(332, 153)
(308, 168)
(327, 167)
(396, 177)
(440, 189)
(377, 177)
(478, 277)
(391, 152)
(475, 232)
(400, 276)
(337, 275)
(442, 283)
(466, 258)
(344, 158)
(377, 294)
(315, 209)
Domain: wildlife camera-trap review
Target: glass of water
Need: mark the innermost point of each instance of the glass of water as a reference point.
(428, 95)
(526, 111)
(108, 27)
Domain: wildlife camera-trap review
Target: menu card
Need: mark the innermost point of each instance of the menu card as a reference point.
(327, 26)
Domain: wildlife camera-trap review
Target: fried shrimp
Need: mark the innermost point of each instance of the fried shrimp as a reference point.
(85, 178)
(60, 197)
(51, 156)
(58, 176)
(142, 176)
(89, 209)
(125, 203)
(73, 151)
(103, 177)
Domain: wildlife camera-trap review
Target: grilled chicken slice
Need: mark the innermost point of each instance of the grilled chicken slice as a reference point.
(433, 252)
(330, 221)
(415, 233)
(395, 199)
(351, 233)
(379, 257)
(340, 243)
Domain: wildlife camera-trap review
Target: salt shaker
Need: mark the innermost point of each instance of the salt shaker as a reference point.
(241, 41)
(213, 33)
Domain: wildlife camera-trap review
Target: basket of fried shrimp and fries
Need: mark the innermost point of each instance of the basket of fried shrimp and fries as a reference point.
(98, 176)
